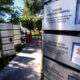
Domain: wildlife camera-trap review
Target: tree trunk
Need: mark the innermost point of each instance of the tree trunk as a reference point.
(30, 35)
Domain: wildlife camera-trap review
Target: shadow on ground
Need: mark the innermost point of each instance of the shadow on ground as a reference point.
(26, 66)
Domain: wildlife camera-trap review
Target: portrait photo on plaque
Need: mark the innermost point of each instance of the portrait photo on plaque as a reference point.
(75, 58)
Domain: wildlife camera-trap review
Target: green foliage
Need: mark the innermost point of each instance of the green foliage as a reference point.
(32, 7)
(14, 17)
(35, 33)
(31, 18)
(2, 20)
(38, 22)
(28, 24)
(5, 6)
(32, 22)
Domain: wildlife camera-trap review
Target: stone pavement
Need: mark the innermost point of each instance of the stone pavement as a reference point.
(25, 66)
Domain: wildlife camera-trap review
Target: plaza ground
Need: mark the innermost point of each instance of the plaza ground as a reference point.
(26, 65)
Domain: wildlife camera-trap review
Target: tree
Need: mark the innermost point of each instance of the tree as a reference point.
(38, 23)
(28, 23)
(15, 15)
(32, 7)
(32, 10)
(2, 20)
(5, 7)
(14, 19)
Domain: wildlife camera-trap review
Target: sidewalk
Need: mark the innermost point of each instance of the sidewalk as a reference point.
(25, 66)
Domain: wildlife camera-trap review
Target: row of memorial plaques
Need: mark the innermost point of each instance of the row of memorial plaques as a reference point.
(65, 49)
(6, 37)
(9, 52)
(17, 35)
(8, 46)
(6, 33)
(16, 42)
(16, 27)
(62, 15)
(55, 71)
(6, 26)
(7, 40)
(16, 31)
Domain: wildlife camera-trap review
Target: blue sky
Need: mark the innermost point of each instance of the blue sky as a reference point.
(19, 3)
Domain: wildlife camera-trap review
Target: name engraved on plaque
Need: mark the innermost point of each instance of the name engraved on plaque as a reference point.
(62, 15)
(57, 48)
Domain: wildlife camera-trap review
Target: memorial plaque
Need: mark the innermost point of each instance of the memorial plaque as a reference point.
(16, 26)
(6, 33)
(9, 53)
(7, 47)
(65, 49)
(62, 15)
(7, 40)
(16, 32)
(17, 42)
(56, 71)
(5, 26)
(17, 37)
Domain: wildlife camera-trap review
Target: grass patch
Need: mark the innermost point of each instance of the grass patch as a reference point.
(36, 34)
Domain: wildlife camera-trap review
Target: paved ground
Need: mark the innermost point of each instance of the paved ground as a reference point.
(26, 66)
